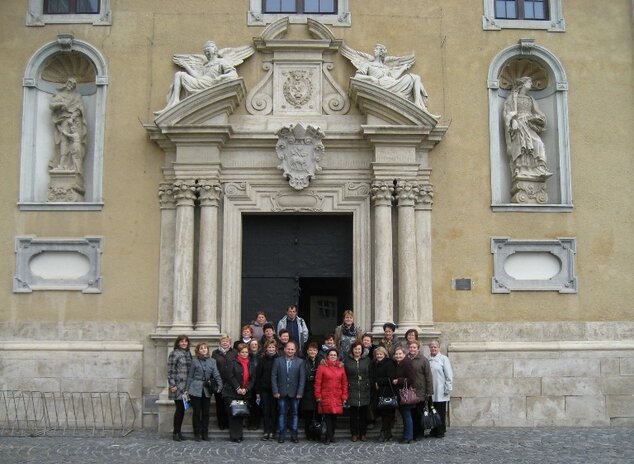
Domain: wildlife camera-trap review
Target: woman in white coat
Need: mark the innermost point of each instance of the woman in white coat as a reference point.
(443, 383)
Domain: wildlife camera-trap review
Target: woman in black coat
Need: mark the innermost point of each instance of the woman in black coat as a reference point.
(358, 374)
(240, 378)
(309, 405)
(263, 389)
(382, 373)
(223, 355)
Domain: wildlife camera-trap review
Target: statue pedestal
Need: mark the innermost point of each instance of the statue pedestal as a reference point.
(529, 191)
(66, 186)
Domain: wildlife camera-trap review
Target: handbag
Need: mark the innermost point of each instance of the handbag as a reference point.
(430, 419)
(387, 401)
(317, 428)
(407, 395)
(239, 408)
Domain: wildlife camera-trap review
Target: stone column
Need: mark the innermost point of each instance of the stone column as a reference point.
(407, 275)
(381, 195)
(424, 201)
(209, 196)
(166, 257)
(185, 194)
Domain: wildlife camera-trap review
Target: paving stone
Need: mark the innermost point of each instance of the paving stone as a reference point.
(464, 445)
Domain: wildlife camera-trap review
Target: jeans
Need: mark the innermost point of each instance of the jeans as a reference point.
(284, 403)
(408, 423)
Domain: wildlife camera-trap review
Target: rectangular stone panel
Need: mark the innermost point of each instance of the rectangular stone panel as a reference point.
(620, 405)
(586, 407)
(557, 368)
(478, 387)
(546, 407)
(556, 386)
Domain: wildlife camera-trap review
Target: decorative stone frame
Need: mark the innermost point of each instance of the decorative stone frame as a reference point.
(35, 15)
(32, 171)
(28, 247)
(556, 23)
(242, 197)
(556, 96)
(255, 16)
(564, 249)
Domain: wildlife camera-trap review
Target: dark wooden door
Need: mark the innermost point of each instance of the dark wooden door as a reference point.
(289, 258)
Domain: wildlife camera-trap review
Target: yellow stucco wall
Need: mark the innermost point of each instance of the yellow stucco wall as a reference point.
(453, 56)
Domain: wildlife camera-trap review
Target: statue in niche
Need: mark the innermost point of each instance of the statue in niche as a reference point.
(204, 71)
(527, 156)
(388, 72)
(71, 129)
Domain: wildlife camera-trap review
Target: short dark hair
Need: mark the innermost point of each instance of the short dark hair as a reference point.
(283, 331)
(178, 340)
(355, 344)
(312, 345)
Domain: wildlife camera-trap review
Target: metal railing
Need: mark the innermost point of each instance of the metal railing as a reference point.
(35, 413)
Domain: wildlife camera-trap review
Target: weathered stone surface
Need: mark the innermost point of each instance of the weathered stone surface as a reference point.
(478, 387)
(555, 386)
(620, 406)
(557, 367)
(545, 407)
(586, 407)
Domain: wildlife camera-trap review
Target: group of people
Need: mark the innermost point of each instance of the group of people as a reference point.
(278, 375)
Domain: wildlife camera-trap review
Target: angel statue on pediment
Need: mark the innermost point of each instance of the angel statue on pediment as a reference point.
(388, 72)
(204, 71)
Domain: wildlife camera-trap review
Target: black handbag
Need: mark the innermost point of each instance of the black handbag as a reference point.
(430, 419)
(239, 408)
(388, 401)
(317, 428)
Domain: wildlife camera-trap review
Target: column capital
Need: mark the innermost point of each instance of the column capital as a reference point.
(406, 193)
(424, 197)
(381, 193)
(185, 192)
(209, 193)
(166, 195)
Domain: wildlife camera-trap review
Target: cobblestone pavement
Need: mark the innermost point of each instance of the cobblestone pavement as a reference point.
(460, 445)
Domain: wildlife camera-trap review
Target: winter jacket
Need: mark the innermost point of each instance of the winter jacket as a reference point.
(405, 374)
(178, 365)
(343, 341)
(358, 374)
(391, 345)
(233, 380)
(331, 387)
(203, 369)
(423, 384)
(222, 359)
(381, 374)
(263, 374)
(443, 377)
(301, 327)
(308, 400)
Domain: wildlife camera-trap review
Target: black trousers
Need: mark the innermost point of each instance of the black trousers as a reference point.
(358, 420)
(269, 411)
(200, 416)
(221, 412)
(331, 425)
(236, 424)
(387, 421)
(417, 416)
(179, 414)
(441, 407)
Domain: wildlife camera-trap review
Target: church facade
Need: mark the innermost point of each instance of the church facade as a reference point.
(460, 171)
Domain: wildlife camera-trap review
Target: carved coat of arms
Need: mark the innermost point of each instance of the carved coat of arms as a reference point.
(299, 149)
(298, 88)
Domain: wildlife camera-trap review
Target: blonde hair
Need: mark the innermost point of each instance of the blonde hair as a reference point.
(380, 349)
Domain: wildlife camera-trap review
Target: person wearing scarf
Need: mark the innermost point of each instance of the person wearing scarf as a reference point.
(240, 378)
(346, 334)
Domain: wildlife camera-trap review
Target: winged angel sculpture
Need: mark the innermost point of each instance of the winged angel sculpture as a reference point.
(388, 72)
(205, 71)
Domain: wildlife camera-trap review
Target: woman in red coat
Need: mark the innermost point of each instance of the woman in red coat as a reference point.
(331, 391)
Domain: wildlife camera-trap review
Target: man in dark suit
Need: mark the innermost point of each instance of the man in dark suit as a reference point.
(288, 379)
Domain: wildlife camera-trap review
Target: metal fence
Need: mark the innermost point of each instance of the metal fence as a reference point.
(34, 413)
